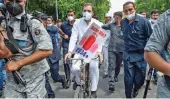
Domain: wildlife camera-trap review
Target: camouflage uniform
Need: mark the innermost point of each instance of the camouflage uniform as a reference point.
(34, 74)
(157, 42)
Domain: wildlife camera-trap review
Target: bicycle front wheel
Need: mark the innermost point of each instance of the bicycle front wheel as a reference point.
(79, 93)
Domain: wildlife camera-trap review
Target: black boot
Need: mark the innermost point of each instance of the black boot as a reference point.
(51, 96)
(112, 88)
(135, 92)
(64, 82)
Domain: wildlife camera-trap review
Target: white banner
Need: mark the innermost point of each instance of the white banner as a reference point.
(93, 39)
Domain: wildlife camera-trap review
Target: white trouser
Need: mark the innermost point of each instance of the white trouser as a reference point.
(105, 54)
(94, 72)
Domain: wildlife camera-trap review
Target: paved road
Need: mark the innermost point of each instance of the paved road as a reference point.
(103, 91)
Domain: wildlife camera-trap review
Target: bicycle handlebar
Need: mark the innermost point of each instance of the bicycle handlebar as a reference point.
(81, 58)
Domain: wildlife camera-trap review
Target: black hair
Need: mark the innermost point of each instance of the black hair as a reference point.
(50, 17)
(155, 11)
(71, 10)
(142, 12)
(119, 13)
(129, 2)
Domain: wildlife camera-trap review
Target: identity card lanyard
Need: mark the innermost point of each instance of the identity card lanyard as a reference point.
(133, 28)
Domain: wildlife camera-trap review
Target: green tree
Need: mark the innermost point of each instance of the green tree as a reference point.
(100, 7)
(48, 6)
(149, 5)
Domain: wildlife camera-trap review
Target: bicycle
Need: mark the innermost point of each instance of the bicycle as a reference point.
(84, 89)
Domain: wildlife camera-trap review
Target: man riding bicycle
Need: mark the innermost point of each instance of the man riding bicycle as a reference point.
(79, 28)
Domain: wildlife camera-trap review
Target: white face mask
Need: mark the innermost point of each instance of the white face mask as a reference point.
(154, 21)
(70, 18)
(130, 16)
(87, 15)
(49, 24)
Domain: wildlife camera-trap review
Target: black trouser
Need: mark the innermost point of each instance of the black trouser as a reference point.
(115, 60)
(67, 65)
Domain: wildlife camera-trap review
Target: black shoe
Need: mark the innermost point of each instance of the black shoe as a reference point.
(105, 76)
(93, 94)
(116, 79)
(135, 93)
(112, 88)
(64, 82)
(75, 86)
(51, 96)
(68, 83)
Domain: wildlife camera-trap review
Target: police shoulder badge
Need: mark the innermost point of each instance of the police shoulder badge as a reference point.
(37, 32)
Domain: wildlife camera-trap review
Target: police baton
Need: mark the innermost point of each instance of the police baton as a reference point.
(148, 82)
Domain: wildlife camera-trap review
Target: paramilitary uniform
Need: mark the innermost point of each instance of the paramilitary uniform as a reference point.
(135, 35)
(158, 41)
(34, 74)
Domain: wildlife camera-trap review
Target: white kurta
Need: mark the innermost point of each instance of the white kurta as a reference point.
(78, 30)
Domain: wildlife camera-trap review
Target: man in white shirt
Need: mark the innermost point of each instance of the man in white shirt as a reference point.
(79, 28)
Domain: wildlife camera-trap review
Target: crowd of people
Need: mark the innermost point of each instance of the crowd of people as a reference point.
(136, 42)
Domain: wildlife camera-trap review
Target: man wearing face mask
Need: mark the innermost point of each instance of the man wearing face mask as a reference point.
(79, 28)
(34, 46)
(66, 27)
(154, 16)
(115, 49)
(136, 31)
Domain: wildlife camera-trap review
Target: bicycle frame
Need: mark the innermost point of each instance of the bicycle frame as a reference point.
(84, 76)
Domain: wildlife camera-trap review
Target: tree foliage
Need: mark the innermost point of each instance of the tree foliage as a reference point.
(49, 6)
(149, 5)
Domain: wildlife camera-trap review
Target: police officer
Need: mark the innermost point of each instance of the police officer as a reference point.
(66, 27)
(159, 41)
(43, 17)
(136, 30)
(35, 45)
(116, 46)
